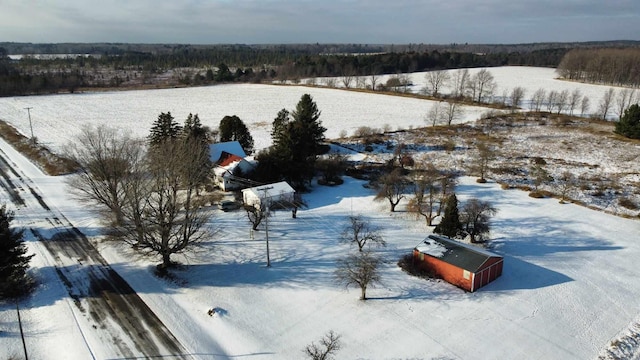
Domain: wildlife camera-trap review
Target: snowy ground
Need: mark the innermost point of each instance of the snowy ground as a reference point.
(568, 290)
(56, 119)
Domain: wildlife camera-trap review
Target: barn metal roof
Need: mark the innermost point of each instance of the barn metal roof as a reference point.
(459, 254)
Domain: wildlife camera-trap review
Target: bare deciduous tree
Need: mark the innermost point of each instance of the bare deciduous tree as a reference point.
(624, 99)
(436, 80)
(574, 99)
(452, 111)
(475, 218)
(447, 186)
(361, 269)
(584, 105)
(374, 81)
(566, 182)
(537, 100)
(482, 85)
(256, 213)
(347, 77)
(436, 113)
(562, 100)
(106, 158)
(605, 103)
(552, 100)
(460, 82)
(426, 192)
(360, 232)
(517, 94)
(480, 166)
(391, 187)
(328, 346)
(160, 215)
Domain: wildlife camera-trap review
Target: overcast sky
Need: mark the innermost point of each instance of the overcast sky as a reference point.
(323, 21)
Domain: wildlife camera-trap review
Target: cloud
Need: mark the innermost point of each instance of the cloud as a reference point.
(291, 21)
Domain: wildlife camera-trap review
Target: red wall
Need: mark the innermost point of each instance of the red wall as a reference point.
(455, 275)
(441, 269)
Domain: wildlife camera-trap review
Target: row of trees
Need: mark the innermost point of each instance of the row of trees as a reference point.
(620, 67)
(228, 63)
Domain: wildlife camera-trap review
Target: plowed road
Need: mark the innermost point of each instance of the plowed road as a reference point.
(118, 316)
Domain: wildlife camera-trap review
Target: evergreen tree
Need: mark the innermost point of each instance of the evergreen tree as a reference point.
(629, 124)
(195, 143)
(310, 131)
(193, 129)
(164, 128)
(296, 143)
(279, 127)
(450, 224)
(14, 262)
(233, 129)
(304, 135)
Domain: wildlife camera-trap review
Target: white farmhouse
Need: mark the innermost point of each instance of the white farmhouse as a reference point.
(280, 192)
(228, 160)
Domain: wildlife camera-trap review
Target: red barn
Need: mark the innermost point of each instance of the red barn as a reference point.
(460, 264)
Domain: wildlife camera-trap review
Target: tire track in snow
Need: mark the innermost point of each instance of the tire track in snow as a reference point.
(105, 300)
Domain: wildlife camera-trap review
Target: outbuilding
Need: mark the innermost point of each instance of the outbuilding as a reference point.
(463, 265)
(280, 192)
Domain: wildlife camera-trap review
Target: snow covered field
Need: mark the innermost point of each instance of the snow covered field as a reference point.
(568, 289)
(57, 118)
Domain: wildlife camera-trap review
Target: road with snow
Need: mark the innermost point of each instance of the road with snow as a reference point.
(104, 303)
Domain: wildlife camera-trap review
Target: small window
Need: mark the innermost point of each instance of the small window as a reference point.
(466, 274)
(421, 257)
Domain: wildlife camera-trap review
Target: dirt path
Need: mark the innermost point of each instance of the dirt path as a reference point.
(116, 314)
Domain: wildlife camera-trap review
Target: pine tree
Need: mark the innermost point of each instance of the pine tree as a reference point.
(450, 224)
(629, 124)
(310, 131)
(164, 128)
(232, 128)
(193, 129)
(280, 127)
(14, 262)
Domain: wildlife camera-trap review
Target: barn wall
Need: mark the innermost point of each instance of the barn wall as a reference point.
(491, 271)
(450, 273)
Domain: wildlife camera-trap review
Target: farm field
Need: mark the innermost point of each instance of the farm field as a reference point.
(57, 118)
(568, 290)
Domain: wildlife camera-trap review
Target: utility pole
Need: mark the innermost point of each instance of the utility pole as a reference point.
(266, 219)
(33, 139)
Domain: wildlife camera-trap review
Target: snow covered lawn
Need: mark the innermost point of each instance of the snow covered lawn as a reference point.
(567, 290)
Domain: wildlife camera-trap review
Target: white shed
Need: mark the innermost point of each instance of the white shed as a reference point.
(271, 193)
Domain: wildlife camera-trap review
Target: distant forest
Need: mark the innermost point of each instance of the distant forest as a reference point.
(138, 65)
(618, 66)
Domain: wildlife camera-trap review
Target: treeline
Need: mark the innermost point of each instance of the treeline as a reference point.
(15, 82)
(619, 67)
(407, 62)
(127, 65)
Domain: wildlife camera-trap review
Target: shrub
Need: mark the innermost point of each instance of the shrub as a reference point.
(627, 203)
(629, 124)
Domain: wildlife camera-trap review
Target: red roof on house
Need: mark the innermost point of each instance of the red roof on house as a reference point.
(227, 159)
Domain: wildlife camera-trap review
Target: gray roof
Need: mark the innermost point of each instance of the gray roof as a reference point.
(464, 256)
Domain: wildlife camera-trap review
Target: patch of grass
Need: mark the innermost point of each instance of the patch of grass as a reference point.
(49, 162)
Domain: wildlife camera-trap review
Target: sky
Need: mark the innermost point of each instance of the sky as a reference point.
(318, 21)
